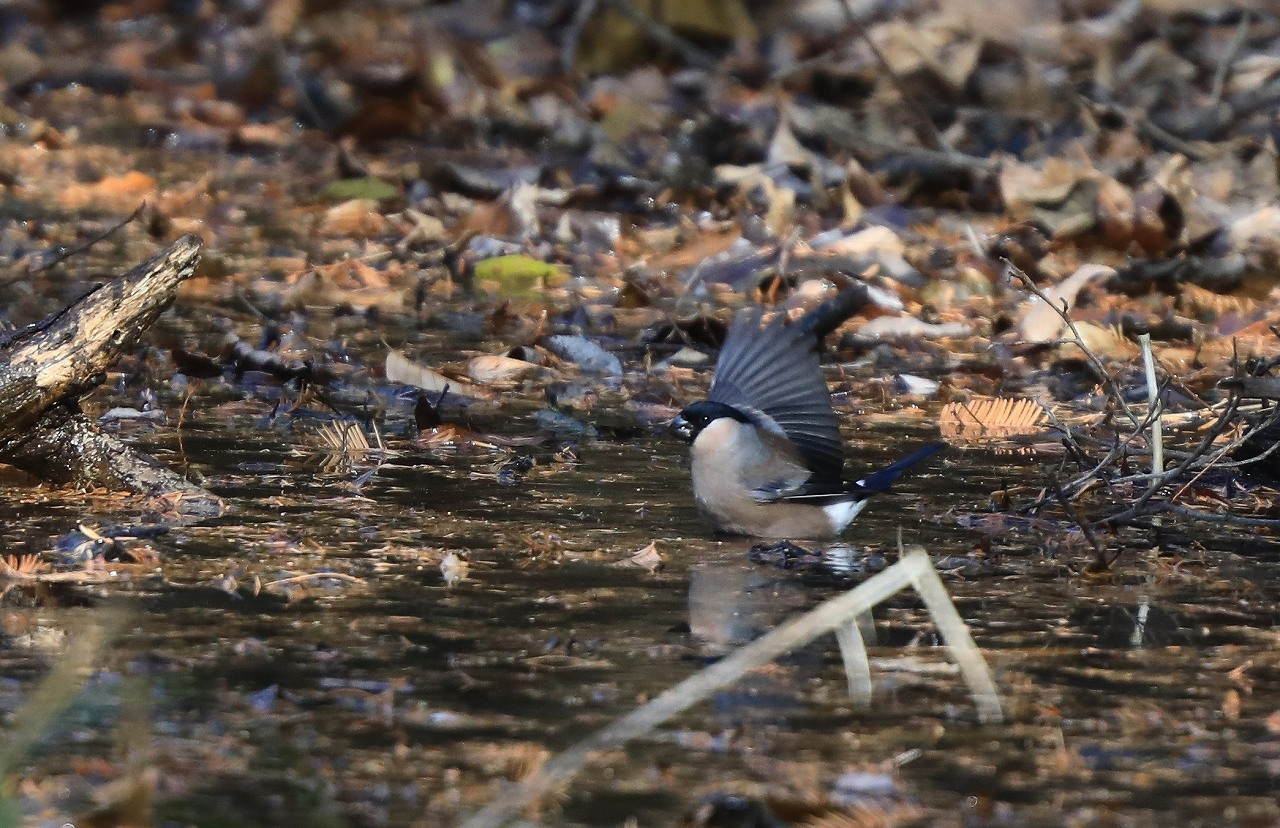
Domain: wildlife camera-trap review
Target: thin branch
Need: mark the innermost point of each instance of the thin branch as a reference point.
(928, 132)
(1228, 58)
(573, 34)
(1101, 564)
(1109, 381)
(106, 234)
(78, 249)
(1214, 517)
(663, 35)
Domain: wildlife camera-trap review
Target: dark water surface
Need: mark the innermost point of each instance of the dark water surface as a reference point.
(1153, 698)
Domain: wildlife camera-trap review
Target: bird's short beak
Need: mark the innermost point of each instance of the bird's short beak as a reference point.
(683, 429)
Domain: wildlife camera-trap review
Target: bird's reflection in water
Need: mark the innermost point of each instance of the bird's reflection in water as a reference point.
(733, 600)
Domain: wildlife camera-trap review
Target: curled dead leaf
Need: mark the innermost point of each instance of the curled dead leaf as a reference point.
(399, 368)
(1042, 321)
(648, 558)
(494, 370)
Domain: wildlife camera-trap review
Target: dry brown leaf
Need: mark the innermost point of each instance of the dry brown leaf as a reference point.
(870, 241)
(1231, 705)
(991, 418)
(1104, 341)
(1043, 321)
(357, 217)
(1200, 303)
(498, 371)
(648, 559)
(316, 287)
(114, 192)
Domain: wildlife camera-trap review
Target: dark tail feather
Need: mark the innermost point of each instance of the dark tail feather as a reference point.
(826, 317)
(881, 481)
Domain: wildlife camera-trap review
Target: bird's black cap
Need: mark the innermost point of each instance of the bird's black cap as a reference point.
(690, 422)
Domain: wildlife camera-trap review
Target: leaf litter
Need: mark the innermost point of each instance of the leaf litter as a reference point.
(462, 261)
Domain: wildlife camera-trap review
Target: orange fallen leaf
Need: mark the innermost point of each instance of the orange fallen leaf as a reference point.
(112, 192)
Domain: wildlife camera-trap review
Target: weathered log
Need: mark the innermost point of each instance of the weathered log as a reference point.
(46, 368)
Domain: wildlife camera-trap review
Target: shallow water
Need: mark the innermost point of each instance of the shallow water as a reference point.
(1150, 699)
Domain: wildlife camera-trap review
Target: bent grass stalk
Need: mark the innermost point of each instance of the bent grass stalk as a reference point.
(839, 614)
(71, 671)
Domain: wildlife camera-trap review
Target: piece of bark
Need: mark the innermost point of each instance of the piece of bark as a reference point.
(47, 367)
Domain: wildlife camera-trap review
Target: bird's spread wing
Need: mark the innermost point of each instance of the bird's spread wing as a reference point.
(774, 370)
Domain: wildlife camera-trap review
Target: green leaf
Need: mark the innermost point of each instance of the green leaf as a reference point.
(517, 275)
(369, 187)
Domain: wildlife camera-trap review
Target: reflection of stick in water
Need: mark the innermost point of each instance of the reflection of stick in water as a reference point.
(838, 614)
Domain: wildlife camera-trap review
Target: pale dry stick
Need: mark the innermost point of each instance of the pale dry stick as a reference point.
(973, 667)
(1158, 481)
(915, 569)
(1154, 480)
(1076, 486)
(857, 668)
(974, 242)
(1189, 458)
(182, 417)
(1153, 403)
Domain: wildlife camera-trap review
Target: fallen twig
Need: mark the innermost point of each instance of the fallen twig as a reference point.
(663, 35)
(928, 131)
(1109, 382)
(314, 576)
(81, 248)
(1228, 58)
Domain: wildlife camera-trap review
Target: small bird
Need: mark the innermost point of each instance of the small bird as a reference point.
(766, 451)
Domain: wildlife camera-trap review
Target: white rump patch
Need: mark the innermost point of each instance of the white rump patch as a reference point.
(842, 514)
